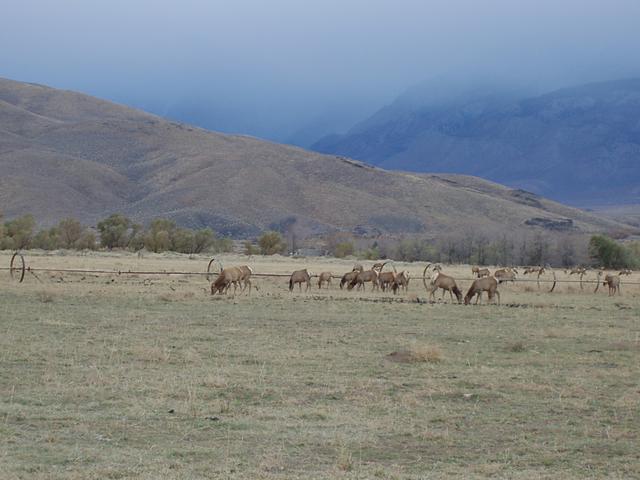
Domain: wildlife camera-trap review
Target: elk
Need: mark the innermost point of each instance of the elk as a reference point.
(378, 266)
(440, 280)
(402, 281)
(578, 271)
(386, 280)
(364, 277)
(486, 284)
(625, 272)
(481, 272)
(505, 275)
(245, 278)
(300, 277)
(228, 276)
(348, 277)
(613, 282)
(324, 277)
(538, 270)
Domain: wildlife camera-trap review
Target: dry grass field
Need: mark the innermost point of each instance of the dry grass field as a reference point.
(120, 377)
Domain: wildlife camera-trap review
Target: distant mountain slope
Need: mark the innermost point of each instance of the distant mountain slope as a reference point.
(580, 144)
(67, 154)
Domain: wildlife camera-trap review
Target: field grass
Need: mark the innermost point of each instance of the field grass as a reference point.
(117, 377)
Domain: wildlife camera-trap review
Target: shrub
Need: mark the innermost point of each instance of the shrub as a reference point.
(343, 249)
(114, 231)
(69, 232)
(21, 231)
(610, 254)
(271, 243)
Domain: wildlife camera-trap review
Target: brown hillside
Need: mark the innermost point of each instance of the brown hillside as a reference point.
(67, 154)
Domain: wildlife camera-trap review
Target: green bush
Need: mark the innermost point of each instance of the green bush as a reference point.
(21, 231)
(610, 254)
(343, 249)
(115, 231)
(271, 243)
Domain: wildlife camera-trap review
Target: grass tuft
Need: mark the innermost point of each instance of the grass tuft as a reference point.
(516, 347)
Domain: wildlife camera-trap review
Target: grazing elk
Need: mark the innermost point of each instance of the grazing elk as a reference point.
(324, 277)
(447, 284)
(349, 277)
(613, 282)
(386, 280)
(300, 277)
(625, 272)
(486, 284)
(402, 281)
(228, 276)
(245, 278)
(365, 277)
(505, 275)
(440, 280)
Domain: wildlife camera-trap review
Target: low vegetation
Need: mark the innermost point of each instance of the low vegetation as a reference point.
(115, 376)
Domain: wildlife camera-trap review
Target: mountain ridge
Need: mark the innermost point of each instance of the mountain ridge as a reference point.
(67, 154)
(578, 144)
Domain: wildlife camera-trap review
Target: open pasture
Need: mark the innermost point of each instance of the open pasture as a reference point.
(114, 376)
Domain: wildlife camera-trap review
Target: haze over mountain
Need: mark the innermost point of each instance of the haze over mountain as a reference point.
(67, 154)
(284, 69)
(578, 145)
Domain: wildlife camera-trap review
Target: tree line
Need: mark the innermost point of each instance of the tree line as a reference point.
(524, 249)
(119, 232)
(115, 231)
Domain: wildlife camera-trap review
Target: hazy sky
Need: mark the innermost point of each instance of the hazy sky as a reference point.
(271, 67)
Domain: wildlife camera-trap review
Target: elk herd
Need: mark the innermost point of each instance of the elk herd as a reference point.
(393, 281)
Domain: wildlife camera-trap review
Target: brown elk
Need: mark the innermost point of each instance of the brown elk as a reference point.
(378, 266)
(626, 272)
(245, 278)
(538, 270)
(481, 272)
(578, 271)
(486, 284)
(349, 277)
(300, 277)
(505, 275)
(440, 280)
(324, 277)
(402, 281)
(386, 280)
(228, 276)
(365, 277)
(613, 282)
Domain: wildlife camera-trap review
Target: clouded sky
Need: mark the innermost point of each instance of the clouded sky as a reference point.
(271, 67)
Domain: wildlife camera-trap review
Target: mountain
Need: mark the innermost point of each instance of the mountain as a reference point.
(579, 145)
(67, 154)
